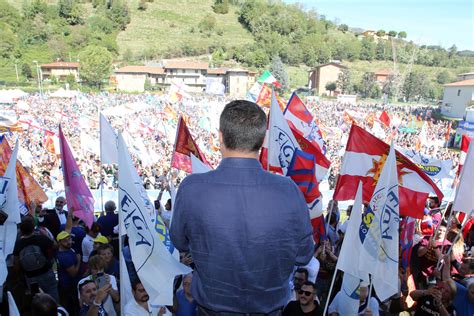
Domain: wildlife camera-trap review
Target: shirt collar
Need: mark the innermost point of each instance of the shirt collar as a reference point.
(247, 163)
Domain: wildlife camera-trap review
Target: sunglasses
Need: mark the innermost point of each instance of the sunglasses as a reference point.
(307, 293)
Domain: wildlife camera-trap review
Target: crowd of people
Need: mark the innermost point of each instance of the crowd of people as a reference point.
(67, 268)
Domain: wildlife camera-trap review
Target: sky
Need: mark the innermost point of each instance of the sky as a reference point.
(431, 22)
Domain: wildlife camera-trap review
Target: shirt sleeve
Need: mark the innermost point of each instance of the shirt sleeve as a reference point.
(178, 222)
(306, 241)
(333, 307)
(374, 306)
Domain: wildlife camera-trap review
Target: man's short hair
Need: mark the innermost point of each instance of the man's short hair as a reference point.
(80, 285)
(27, 225)
(243, 126)
(43, 305)
(109, 206)
(309, 283)
(303, 270)
(104, 247)
(135, 284)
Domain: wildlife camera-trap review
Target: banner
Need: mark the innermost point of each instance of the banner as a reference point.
(432, 167)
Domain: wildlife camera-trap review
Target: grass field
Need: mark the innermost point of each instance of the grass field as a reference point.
(168, 24)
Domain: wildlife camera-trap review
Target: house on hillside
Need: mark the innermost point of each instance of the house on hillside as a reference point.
(60, 70)
(321, 75)
(382, 75)
(457, 97)
(466, 76)
(195, 75)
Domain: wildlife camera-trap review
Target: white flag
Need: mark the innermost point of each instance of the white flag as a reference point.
(12, 305)
(108, 142)
(280, 141)
(379, 232)
(155, 266)
(350, 250)
(9, 204)
(464, 200)
(434, 168)
(197, 166)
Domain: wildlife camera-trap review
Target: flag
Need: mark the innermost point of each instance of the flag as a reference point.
(465, 141)
(12, 308)
(379, 234)
(181, 162)
(302, 120)
(378, 131)
(155, 266)
(197, 166)
(464, 200)
(349, 257)
(447, 135)
(319, 229)
(370, 119)
(253, 93)
(280, 143)
(302, 171)
(78, 194)
(108, 142)
(434, 168)
(422, 138)
(185, 144)
(385, 119)
(9, 204)
(264, 98)
(363, 160)
(407, 231)
(28, 189)
(269, 79)
(49, 142)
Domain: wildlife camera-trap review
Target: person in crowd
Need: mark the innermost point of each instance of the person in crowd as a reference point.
(434, 301)
(69, 272)
(91, 298)
(112, 265)
(300, 276)
(306, 304)
(78, 233)
(328, 261)
(184, 303)
(44, 304)
(54, 218)
(463, 294)
(88, 241)
(97, 274)
(236, 272)
(109, 220)
(140, 305)
(339, 306)
(34, 254)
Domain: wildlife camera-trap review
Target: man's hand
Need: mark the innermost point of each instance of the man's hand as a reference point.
(102, 293)
(368, 312)
(162, 311)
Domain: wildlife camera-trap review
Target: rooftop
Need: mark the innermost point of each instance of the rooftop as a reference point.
(61, 64)
(178, 64)
(141, 70)
(216, 71)
(463, 83)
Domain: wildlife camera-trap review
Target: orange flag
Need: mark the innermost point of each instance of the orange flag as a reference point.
(28, 189)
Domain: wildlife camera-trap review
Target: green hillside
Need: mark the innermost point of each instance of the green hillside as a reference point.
(172, 27)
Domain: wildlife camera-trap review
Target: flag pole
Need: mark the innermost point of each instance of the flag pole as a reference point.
(175, 140)
(330, 291)
(269, 142)
(101, 169)
(370, 294)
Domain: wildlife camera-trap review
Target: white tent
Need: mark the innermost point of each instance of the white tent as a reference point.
(10, 96)
(61, 93)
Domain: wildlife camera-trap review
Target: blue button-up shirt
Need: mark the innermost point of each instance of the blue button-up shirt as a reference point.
(246, 229)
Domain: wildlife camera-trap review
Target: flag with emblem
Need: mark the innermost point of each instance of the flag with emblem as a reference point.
(465, 141)
(363, 160)
(78, 194)
(155, 265)
(378, 231)
(184, 146)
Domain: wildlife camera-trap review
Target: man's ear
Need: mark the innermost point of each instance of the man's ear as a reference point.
(220, 138)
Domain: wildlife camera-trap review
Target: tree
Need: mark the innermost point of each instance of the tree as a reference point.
(343, 27)
(380, 33)
(26, 71)
(389, 85)
(207, 23)
(119, 14)
(277, 68)
(452, 51)
(380, 50)
(71, 11)
(128, 55)
(368, 84)
(443, 77)
(367, 51)
(95, 64)
(402, 34)
(343, 81)
(392, 33)
(221, 6)
(415, 86)
(331, 87)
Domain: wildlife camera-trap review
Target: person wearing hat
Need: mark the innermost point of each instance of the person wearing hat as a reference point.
(98, 241)
(69, 269)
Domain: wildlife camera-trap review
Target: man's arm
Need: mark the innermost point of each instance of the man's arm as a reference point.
(306, 241)
(178, 223)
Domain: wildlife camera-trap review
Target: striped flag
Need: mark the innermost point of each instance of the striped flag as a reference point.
(363, 160)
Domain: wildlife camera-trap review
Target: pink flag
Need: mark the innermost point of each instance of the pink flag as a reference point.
(78, 194)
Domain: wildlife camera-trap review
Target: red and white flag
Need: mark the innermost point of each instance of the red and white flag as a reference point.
(464, 200)
(385, 119)
(363, 161)
(465, 141)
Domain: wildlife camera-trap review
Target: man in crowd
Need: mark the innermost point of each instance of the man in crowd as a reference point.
(299, 278)
(33, 255)
(139, 306)
(55, 218)
(306, 303)
(91, 298)
(246, 228)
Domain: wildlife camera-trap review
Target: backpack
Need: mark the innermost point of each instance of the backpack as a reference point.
(32, 258)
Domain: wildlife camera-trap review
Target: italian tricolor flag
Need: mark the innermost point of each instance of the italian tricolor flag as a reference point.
(268, 78)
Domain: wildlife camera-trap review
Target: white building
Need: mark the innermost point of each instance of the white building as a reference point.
(457, 97)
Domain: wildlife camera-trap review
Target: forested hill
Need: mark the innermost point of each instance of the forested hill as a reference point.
(249, 32)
